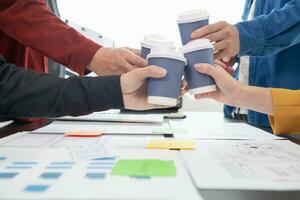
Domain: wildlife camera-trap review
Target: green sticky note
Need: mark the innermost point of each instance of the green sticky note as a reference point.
(169, 130)
(147, 167)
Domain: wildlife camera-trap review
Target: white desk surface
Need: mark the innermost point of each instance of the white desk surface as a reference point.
(47, 148)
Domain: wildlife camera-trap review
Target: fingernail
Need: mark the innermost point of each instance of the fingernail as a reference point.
(198, 67)
(161, 71)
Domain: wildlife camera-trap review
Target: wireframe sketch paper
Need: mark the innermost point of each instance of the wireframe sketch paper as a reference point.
(246, 165)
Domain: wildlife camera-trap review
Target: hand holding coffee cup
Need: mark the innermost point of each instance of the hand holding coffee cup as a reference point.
(165, 91)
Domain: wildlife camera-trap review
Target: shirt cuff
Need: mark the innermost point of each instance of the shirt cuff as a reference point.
(82, 56)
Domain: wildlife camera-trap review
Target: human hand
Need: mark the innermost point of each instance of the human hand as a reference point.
(134, 88)
(225, 65)
(115, 61)
(224, 35)
(233, 93)
(228, 89)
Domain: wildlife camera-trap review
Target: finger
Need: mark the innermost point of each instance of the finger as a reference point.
(221, 45)
(183, 91)
(214, 37)
(209, 29)
(206, 69)
(210, 95)
(150, 72)
(135, 51)
(129, 67)
(136, 60)
(226, 59)
(220, 63)
(221, 54)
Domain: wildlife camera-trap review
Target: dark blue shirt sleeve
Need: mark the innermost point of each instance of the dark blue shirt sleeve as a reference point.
(27, 94)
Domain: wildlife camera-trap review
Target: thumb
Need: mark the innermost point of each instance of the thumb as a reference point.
(133, 80)
(150, 72)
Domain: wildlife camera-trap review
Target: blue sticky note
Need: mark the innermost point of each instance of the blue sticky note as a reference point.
(59, 167)
(36, 188)
(19, 167)
(24, 163)
(63, 163)
(95, 175)
(8, 175)
(100, 167)
(51, 175)
(105, 158)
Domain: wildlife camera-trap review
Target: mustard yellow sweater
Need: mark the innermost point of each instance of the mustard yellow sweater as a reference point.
(286, 105)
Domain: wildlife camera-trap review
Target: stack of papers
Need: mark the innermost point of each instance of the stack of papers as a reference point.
(62, 127)
(117, 117)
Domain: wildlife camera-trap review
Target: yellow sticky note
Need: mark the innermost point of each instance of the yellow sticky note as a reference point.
(83, 133)
(172, 144)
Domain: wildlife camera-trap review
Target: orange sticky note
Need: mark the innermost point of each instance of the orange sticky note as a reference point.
(83, 133)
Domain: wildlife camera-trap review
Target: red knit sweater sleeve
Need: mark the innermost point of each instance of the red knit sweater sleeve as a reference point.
(32, 23)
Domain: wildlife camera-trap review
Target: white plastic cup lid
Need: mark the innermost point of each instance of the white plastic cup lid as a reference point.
(192, 16)
(196, 45)
(163, 52)
(150, 41)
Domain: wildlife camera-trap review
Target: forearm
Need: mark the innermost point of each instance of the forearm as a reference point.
(25, 93)
(33, 24)
(255, 98)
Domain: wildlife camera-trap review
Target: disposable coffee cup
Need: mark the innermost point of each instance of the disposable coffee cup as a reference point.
(198, 51)
(165, 91)
(190, 21)
(151, 41)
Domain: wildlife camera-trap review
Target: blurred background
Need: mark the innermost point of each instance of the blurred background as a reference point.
(126, 22)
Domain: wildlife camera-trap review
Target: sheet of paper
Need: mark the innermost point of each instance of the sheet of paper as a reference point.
(207, 129)
(128, 142)
(172, 144)
(144, 168)
(104, 127)
(20, 140)
(117, 117)
(169, 131)
(3, 124)
(245, 165)
(41, 140)
(50, 176)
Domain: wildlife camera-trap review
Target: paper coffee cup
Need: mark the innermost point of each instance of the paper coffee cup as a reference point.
(165, 91)
(198, 51)
(190, 21)
(151, 41)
